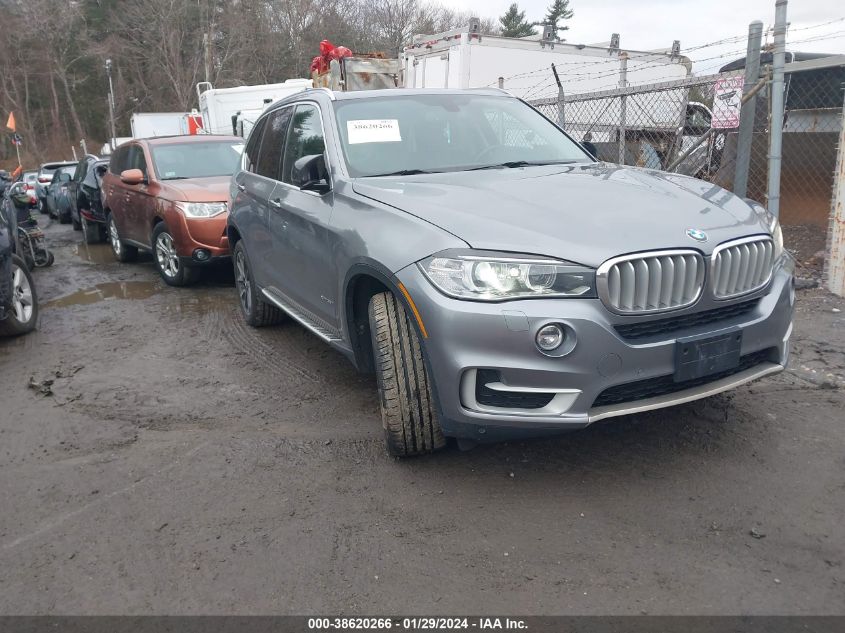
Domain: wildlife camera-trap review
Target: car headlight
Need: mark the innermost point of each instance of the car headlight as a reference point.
(201, 209)
(484, 276)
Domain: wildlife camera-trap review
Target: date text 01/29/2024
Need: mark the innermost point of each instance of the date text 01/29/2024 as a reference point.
(416, 624)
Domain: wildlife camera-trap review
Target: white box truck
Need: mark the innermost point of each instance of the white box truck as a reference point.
(219, 107)
(152, 124)
(466, 59)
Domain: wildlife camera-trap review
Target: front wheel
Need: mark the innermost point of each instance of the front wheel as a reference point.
(408, 411)
(123, 252)
(23, 314)
(173, 271)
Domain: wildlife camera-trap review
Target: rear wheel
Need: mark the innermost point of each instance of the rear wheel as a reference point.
(23, 314)
(123, 252)
(257, 312)
(408, 412)
(92, 232)
(173, 271)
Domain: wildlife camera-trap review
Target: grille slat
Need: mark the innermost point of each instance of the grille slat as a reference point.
(651, 282)
(669, 325)
(742, 267)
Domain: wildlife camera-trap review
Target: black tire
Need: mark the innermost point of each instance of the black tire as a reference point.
(77, 224)
(17, 321)
(92, 232)
(42, 206)
(408, 412)
(256, 311)
(171, 269)
(64, 218)
(122, 252)
(50, 259)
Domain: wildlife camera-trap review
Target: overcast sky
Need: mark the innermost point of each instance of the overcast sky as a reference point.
(653, 24)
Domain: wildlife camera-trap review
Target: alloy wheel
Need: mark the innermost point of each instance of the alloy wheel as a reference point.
(242, 282)
(21, 295)
(166, 256)
(114, 238)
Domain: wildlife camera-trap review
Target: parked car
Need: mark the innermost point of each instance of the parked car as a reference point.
(86, 201)
(18, 300)
(44, 178)
(30, 179)
(56, 198)
(496, 278)
(168, 195)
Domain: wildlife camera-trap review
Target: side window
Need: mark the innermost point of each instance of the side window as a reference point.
(136, 159)
(270, 155)
(304, 139)
(253, 145)
(118, 161)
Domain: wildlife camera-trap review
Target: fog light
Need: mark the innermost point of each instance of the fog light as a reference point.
(201, 255)
(549, 337)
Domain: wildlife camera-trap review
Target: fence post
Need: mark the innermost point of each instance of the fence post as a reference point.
(623, 83)
(776, 124)
(560, 111)
(835, 262)
(749, 108)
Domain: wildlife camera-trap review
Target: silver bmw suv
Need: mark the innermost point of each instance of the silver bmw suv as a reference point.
(496, 278)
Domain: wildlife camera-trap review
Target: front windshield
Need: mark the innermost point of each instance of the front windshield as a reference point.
(178, 161)
(447, 132)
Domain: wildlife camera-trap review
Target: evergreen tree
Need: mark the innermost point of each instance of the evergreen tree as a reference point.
(557, 14)
(514, 23)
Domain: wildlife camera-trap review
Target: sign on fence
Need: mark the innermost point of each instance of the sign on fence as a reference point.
(727, 102)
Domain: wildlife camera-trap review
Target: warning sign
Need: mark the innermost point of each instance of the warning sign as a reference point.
(727, 102)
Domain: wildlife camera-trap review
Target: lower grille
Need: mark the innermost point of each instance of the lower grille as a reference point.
(506, 399)
(662, 385)
(657, 327)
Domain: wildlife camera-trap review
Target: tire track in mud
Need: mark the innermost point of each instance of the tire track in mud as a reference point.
(284, 359)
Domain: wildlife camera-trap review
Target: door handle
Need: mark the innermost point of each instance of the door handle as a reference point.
(241, 187)
(276, 202)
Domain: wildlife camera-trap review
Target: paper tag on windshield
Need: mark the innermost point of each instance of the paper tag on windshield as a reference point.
(373, 131)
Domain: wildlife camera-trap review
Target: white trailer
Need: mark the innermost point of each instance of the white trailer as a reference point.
(152, 124)
(220, 106)
(466, 59)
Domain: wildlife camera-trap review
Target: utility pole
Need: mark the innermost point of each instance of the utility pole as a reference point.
(749, 109)
(111, 102)
(776, 124)
(623, 83)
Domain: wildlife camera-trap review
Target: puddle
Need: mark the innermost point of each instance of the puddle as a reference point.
(106, 291)
(95, 253)
(175, 300)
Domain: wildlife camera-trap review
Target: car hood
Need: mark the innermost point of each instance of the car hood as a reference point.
(213, 189)
(583, 213)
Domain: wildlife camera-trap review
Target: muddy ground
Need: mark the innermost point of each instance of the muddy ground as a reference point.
(182, 462)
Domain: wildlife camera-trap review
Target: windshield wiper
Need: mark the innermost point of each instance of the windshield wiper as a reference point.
(176, 178)
(512, 164)
(404, 172)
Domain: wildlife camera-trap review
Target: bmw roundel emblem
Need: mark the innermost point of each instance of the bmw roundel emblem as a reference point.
(697, 234)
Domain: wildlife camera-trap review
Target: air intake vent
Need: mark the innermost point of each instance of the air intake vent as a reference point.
(645, 283)
(741, 266)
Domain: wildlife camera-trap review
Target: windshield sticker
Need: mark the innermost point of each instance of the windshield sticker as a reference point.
(373, 131)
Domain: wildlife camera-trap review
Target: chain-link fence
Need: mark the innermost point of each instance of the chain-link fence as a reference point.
(691, 127)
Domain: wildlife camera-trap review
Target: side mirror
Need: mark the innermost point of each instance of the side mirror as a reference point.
(309, 174)
(132, 177)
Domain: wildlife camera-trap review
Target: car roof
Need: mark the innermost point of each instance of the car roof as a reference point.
(188, 138)
(336, 95)
(57, 164)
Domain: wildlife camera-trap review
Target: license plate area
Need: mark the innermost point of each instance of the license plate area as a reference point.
(699, 356)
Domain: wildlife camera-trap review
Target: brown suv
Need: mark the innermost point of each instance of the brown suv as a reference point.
(168, 195)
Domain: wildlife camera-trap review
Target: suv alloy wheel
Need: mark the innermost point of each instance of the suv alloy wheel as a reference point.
(166, 259)
(23, 314)
(123, 252)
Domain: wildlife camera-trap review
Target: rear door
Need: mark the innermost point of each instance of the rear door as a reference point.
(249, 205)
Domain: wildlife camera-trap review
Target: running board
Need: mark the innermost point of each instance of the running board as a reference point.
(297, 314)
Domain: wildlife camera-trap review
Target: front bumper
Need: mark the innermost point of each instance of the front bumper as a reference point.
(193, 234)
(470, 341)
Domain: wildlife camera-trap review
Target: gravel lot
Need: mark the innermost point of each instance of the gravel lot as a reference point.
(182, 462)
